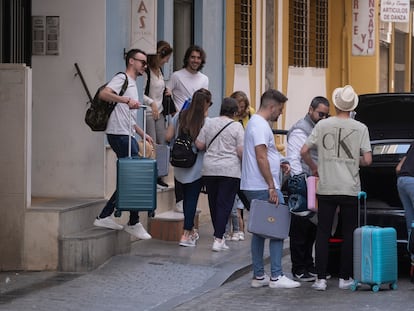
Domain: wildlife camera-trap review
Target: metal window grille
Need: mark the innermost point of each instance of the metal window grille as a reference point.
(15, 31)
(321, 34)
(243, 32)
(298, 29)
(308, 29)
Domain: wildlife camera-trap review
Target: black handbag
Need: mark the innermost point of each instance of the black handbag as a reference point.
(168, 105)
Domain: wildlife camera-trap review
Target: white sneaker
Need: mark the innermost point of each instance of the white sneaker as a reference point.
(107, 222)
(219, 245)
(179, 207)
(187, 241)
(241, 235)
(227, 236)
(345, 284)
(283, 282)
(194, 235)
(235, 236)
(260, 282)
(138, 231)
(319, 284)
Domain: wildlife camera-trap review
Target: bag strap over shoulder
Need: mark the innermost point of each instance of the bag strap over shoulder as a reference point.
(125, 85)
(147, 86)
(219, 133)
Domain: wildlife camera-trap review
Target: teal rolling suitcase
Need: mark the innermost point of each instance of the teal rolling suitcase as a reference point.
(136, 183)
(375, 255)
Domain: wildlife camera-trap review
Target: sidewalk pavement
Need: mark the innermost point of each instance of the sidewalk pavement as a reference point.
(155, 275)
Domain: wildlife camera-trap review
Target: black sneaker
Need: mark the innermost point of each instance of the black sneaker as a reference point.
(304, 277)
(162, 183)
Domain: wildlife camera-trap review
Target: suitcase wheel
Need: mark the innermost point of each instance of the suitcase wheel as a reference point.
(393, 286)
(117, 213)
(151, 214)
(375, 288)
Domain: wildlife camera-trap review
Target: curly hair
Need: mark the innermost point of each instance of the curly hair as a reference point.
(190, 50)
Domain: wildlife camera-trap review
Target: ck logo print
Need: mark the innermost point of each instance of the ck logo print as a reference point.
(339, 142)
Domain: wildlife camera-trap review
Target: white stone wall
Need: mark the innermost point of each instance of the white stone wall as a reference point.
(68, 159)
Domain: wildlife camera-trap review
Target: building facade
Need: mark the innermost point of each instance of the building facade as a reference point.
(304, 48)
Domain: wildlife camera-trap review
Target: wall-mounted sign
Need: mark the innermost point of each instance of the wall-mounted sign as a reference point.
(363, 27)
(38, 35)
(144, 25)
(395, 11)
(52, 35)
(45, 35)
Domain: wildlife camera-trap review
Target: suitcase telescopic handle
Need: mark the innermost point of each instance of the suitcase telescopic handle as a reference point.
(362, 196)
(144, 108)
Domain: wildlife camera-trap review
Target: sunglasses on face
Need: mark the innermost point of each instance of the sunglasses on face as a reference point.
(323, 115)
(143, 62)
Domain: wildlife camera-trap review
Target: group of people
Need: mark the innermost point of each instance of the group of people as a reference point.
(237, 154)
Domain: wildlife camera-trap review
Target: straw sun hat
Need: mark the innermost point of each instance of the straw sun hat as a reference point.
(345, 98)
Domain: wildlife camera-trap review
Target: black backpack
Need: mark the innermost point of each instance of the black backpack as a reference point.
(98, 113)
(182, 154)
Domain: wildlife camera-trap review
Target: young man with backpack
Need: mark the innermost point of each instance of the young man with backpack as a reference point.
(118, 131)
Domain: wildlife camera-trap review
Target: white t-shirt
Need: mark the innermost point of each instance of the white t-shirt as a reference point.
(156, 90)
(121, 116)
(258, 132)
(220, 159)
(340, 143)
(183, 84)
(294, 144)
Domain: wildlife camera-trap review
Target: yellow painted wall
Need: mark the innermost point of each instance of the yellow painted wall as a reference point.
(229, 45)
(364, 70)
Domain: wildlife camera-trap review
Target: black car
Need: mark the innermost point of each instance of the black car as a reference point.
(389, 118)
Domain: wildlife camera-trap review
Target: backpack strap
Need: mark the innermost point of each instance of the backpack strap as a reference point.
(124, 85)
(147, 86)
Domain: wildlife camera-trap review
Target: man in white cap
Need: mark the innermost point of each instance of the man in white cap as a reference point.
(343, 146)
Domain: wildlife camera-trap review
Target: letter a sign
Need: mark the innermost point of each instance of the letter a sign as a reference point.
(144, 25)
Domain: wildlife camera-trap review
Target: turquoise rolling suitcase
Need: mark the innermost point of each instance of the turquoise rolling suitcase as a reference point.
(375, 255)
(136, 183)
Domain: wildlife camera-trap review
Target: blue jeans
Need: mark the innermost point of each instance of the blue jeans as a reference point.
(191, 192)
(119, 144)
(233, 221)
(405, 185)
(257, 246)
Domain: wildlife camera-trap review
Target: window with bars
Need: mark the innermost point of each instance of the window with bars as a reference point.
(243, 32)
(15, 31)
(308, 33)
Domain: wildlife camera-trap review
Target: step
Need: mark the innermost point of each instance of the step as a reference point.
(73, 214)
(168, 226)
(86, 250)
(50, 219)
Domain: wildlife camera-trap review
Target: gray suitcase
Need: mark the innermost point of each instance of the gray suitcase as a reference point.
(269, 220)
(162, 153)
